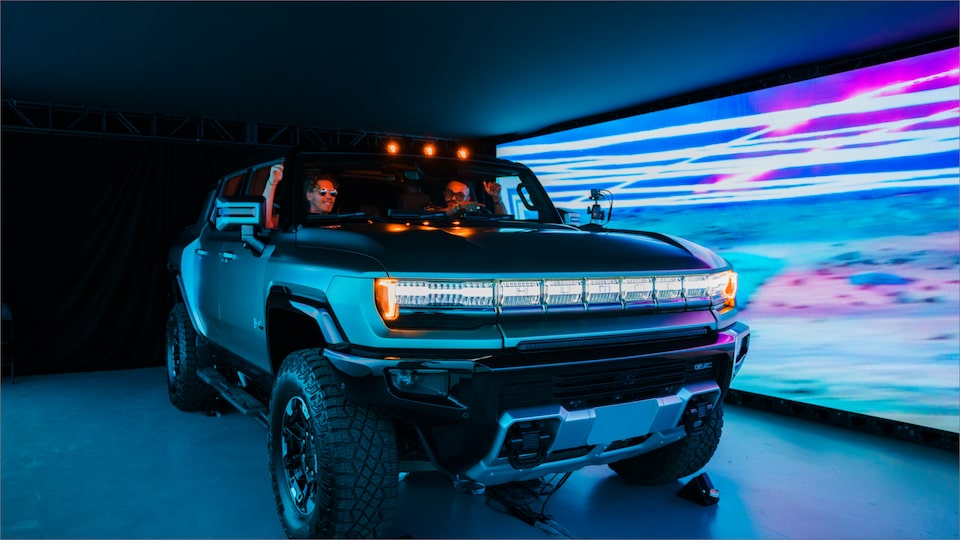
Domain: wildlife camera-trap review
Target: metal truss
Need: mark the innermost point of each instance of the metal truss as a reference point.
(31, 117)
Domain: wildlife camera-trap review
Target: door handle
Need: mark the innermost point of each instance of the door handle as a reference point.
(227, 256)
(201, 252)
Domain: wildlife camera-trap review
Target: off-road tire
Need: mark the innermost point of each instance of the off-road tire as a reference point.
(679, 459)
(333, 463)
(187, 391)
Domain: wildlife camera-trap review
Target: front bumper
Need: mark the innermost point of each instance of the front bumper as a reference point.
(501, 421)
(575, 439)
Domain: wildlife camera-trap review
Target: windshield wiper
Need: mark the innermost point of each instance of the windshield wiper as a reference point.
(353, 216)
(439, 214)
(486, 217)
(418, 214)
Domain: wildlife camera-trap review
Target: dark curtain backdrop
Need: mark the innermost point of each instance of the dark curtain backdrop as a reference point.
(86, 223)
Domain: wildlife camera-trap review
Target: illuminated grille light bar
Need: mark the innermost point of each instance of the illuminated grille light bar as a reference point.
(669, 291)
(444, 293)
(696, 287)
(669, 287)
(520, 293)
(562, 292)
(602, 291)
(696, 290)
(637, 289)
(691, 291)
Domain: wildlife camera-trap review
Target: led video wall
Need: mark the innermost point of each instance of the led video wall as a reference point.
(836, 200)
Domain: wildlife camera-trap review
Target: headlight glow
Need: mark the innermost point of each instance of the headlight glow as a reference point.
(445, 293)
(730, 290)
(385, 295)
(687, 291)
(722, 288)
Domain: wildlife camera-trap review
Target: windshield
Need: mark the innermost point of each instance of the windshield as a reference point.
(337, 187)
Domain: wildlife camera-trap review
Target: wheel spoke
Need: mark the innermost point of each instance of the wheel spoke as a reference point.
(173, 356)
(298, 454)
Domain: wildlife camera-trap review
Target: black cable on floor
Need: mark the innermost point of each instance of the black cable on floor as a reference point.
(517, 499)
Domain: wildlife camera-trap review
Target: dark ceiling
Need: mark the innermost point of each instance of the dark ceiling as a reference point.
(452, 69)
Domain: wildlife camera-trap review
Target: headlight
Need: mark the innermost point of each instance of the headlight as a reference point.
(444, 293)
(392, 294)
(385, 295)
(730, 290)
(679, 291)
(722, 289)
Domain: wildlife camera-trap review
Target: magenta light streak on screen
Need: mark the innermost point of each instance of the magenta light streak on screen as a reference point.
(836, 199)
(888, 126)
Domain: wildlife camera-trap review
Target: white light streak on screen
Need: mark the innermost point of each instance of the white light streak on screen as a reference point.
(837, 199)
(888, 126)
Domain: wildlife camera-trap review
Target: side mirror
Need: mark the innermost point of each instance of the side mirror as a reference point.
(245, 210)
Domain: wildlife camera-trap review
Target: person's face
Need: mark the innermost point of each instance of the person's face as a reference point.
(322, 197)
(456, 192)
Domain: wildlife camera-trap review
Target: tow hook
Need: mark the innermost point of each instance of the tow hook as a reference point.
(527, 444)
(696, 414)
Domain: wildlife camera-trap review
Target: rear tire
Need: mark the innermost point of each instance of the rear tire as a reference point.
(187, 391)
(679, 459)
(333, 463)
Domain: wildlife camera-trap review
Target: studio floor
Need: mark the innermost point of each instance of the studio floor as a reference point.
(105, 455)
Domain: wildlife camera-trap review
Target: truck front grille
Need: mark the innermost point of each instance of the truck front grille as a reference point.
(580, 388)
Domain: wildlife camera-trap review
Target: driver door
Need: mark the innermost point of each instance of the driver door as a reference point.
(243, 285)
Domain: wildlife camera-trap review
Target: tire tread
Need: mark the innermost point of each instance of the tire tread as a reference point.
(679, 459)
(188, 392)
(360, 464)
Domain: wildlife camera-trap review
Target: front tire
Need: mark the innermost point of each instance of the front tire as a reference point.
(674, 461)
(333, 463)
(187, 391)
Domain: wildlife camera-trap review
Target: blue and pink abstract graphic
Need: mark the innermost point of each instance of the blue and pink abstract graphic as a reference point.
(893, 125)
(836, 198)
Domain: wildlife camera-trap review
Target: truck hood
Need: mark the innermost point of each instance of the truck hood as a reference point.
(509, 248)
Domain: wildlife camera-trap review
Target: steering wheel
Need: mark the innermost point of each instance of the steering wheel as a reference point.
(474, 208)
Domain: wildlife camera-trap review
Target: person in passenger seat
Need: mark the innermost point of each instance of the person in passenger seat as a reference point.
(492, 189)
(457, 197)
(321, 193)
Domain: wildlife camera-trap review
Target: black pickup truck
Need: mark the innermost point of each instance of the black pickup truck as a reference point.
(405, 328)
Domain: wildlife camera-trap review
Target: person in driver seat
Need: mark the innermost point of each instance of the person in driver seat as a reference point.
(321, 193)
